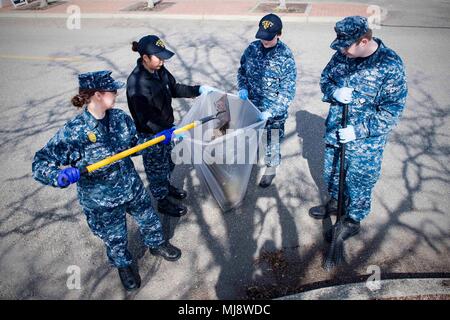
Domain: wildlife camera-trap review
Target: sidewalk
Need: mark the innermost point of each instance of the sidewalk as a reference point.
(395, 289)
(196, 10)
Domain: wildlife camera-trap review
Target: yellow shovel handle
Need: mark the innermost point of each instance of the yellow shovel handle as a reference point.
(135, 149)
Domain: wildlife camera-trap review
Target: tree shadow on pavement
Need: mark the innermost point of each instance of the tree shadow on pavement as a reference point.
(406, 236)
(422, 147)
(51, 219)
(310, 129)
(405, 239)
(226, 255)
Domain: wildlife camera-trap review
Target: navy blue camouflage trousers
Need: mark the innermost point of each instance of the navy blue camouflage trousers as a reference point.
(363, 168)
(275, 135)
(110, 225)
(158, 167)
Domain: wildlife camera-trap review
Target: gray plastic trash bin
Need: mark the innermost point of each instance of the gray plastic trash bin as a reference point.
(224, 162)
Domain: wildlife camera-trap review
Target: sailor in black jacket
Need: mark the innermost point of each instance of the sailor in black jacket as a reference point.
(150, 89)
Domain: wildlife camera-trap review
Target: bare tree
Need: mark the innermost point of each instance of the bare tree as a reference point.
(43, 3)
(282, 5)
(152, 3)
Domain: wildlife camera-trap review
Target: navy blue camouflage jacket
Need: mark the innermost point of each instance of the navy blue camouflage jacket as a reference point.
(83, 141)
(269, 78)
(379, 95)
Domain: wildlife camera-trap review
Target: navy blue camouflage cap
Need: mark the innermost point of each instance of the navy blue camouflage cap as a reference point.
(348, 31)
(153, 45)
(99, 80)
(269, 26)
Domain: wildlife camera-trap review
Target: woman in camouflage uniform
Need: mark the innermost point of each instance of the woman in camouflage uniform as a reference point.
(106, 194)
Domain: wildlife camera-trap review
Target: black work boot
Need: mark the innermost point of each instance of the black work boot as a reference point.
(176, 193)
(130, 279)
(267, 178)
(322, 212)
(345, 229)
(167, 251)
(165, 206)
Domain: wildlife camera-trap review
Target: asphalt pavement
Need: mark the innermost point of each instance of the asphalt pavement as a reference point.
(43, 230)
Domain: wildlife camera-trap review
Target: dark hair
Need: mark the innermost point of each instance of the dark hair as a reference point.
(82, 98)
(367, 35)
(134, 46)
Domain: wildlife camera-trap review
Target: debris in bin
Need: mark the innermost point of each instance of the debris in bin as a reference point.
(226, 180)
(222, 105)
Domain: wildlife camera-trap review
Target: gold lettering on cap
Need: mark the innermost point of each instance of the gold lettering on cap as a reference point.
(267, 24)
(159, 43)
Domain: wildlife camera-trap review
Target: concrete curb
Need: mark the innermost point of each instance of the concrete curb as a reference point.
(399, 288)
(137, 16)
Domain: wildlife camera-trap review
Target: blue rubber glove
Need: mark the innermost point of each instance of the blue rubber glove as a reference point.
(243, 94)
(266, 115)
(68, 176)
(346, 134)
(168, 134)
(206, 89)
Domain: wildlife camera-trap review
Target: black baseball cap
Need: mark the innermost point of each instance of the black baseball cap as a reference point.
(153, 45)
(269, 26)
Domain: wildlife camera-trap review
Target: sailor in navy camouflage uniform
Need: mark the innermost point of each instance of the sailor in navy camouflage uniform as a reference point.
(267, 76)
(370, 78)
(106, 194)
